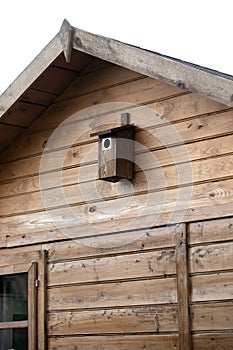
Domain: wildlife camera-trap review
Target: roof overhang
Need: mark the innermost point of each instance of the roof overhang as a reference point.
(208, 83)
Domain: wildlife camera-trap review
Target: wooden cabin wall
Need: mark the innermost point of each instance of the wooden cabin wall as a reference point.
(126, 296)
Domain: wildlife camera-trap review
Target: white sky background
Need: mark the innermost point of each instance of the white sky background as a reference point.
(198, 31)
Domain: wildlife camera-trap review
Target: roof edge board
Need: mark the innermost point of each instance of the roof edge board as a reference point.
(66, 34)
(155, 66)
(30, 74)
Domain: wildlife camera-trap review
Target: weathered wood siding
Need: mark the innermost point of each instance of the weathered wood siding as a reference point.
(125, 296)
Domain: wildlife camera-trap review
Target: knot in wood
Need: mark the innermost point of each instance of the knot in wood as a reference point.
(78, 42)
(92, 209)
(180, 84)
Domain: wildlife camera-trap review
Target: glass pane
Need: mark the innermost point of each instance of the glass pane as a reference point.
(16, 339)
(13, 297)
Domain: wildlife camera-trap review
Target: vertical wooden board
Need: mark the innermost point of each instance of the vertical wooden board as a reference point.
(183, 290)
(32, 307)
(147, 342)
(42, 301)
(213, 341)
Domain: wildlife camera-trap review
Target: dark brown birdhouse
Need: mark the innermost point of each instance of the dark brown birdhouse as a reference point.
(116, 153)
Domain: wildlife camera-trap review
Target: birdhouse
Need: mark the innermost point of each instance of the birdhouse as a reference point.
(116, 153)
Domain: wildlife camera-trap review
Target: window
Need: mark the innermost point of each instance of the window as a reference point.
(14, 311)
(19, 296)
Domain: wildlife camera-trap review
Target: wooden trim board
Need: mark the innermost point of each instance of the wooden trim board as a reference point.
(183, 288)
(156, 66)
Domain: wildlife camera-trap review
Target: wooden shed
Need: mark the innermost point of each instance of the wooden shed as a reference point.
(89, 264)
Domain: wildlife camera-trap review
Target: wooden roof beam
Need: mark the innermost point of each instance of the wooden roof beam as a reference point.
(170, 70)
(66, 36)
(30, 74)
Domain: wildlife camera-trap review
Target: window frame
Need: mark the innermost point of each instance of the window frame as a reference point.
(35, 266)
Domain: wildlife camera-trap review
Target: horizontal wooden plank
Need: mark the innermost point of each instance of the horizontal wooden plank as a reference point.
(127, 91)
(5, 252)
(38, 97)
(120, 97)
(15, 324)
(22, 114)
(93, 66)
(69, 176)
(149, 342)
(185, 106)
(54, 80)
(15, 268)
(212, 317)
(7, 258)
(150, 264)
(75, 155)
(162, 237)
(196, 129)
(213, 341)
(83, 221)
(211, 257)
(104, 78)
(78, 61)
(154, 319)
(211, 231)
(157, 291)
(65, 231)
(166, 109)
(154, 180)
(217, 286)
(142, 117)
(8, 134)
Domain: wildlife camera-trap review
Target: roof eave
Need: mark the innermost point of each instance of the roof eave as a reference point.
(156, 66)
(30, 74)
